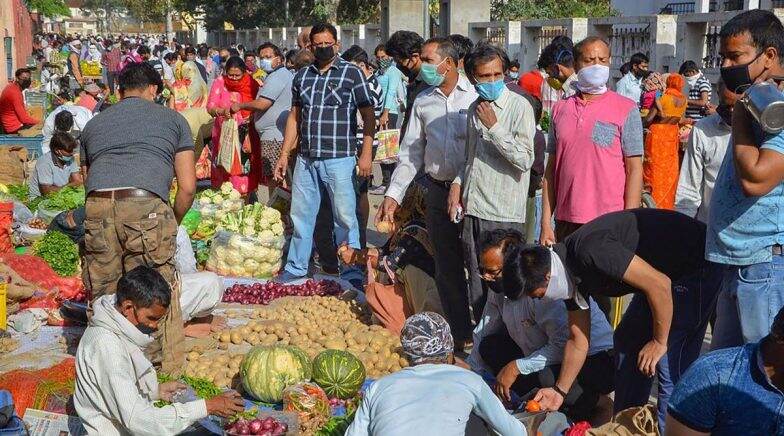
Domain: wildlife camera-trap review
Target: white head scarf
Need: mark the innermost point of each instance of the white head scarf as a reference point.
(425, 336)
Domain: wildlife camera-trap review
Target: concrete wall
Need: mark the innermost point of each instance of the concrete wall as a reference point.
(15, 23)
(402, 15)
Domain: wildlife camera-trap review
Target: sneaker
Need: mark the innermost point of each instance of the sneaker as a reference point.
(378, 190)
(286, 277)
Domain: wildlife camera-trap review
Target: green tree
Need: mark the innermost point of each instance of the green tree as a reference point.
(548, 9)
(49, 8)
(358, 11)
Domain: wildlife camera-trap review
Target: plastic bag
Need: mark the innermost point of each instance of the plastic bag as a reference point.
(36, 271)
(229, 148)
(203, 165)
(6, 219)
(191, 220)
(235, 255)
(307, 399)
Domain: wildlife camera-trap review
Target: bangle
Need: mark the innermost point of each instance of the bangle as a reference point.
(560, 392)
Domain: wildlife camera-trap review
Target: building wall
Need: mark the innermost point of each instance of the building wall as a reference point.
(629, 8)
(15, 23)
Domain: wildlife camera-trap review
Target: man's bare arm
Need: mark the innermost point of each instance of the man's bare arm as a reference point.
(185, 171)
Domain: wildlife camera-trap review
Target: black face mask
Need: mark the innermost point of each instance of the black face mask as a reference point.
(324, 54)
(725, 112)
(147, 330)
(25, 83)
(736, 78)
(495, 285)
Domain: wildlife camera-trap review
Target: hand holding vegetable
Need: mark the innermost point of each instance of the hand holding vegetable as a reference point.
(167, 390)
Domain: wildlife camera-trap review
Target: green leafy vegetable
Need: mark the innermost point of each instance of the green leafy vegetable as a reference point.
(59, 251)
(202, 387)
(68, 198)
(336, 426)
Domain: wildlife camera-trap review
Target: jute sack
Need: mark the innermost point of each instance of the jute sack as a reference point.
(634, 421)
(12, 165)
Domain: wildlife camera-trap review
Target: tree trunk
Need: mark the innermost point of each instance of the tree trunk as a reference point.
(169, 24)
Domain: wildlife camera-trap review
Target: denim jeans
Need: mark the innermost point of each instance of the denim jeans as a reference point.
(751, 296)
(336, 175)
(693, 302)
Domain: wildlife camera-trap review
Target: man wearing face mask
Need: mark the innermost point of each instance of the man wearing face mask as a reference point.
(56, 169)
(520, 340)
(271, 106)
(405, 47)
(499, 155)
(596, 148)
(707, 147)
(743, 233)
(559, 63)
(322, 127)
(116, 385)
(13, 115)
(657, 256)
(130, 154)
(630, 85)
(434, 142)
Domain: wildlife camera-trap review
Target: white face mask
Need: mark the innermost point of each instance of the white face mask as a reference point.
(693, 79)
(593, 79)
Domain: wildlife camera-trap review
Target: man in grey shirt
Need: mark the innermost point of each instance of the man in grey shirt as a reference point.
(271, 106)
(130, 153)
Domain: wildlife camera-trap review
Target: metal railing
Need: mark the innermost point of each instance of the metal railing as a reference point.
(777, 4)
(545, 35)
(712, 58)
(625, 42)
(678, 8)
(733, 5)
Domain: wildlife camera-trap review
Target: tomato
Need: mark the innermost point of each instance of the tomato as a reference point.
(532, 406)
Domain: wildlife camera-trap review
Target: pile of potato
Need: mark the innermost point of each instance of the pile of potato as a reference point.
(315, 324)
(221, 369)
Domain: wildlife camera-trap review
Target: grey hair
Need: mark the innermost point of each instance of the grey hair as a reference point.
(446, 49)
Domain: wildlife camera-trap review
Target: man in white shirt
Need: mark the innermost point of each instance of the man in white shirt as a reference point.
(431, 397)
(521, 340)
(80, 117)
(708, 144)
(115, 383)
(630, 85)
(435, 141)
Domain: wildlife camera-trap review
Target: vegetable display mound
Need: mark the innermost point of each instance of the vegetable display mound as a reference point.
(268, 426)
(264, 293)
(67, 198)
(339, 373)
(59, 251)
(267, 370)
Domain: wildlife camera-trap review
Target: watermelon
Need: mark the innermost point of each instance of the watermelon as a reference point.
(339, 373)
(267, 370)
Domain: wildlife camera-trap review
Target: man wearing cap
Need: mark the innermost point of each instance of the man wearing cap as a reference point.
(432, 396)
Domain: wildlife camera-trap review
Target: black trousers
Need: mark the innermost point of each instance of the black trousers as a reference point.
(595, 379)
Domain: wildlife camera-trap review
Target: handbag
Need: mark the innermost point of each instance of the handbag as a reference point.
(229, 148)
(203, 164)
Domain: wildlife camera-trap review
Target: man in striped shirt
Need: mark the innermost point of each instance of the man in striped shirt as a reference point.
(499, 155)
(699, 91)
(322, 124)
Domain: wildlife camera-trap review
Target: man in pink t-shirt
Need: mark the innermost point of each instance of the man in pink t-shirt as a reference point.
(595, 149)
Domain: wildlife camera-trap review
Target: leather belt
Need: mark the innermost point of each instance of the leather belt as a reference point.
(777, 250)
(121, 194)
(442, 183)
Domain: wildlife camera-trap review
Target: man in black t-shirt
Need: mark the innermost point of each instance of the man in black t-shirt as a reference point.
(657, 255)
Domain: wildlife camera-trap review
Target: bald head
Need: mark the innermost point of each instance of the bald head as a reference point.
(591, 51)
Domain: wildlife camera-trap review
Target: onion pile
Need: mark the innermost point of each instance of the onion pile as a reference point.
(268, 426)
(264, 293)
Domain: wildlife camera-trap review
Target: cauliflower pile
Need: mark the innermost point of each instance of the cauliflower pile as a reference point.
(216, 204)
(249, 243)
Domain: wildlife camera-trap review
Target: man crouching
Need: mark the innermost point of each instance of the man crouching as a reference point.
(115, 383)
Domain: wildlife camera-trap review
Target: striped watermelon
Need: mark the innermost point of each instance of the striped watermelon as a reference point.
(267, 370)
(339, 373)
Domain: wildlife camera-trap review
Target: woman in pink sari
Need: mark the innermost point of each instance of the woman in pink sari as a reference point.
(235, 86)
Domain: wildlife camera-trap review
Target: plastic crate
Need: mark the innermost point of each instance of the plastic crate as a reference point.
(32, 144)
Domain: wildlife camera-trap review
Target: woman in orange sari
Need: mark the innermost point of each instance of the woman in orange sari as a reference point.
(661, 165)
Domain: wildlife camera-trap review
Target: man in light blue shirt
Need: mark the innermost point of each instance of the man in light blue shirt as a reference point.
(746, 222)
(630, 85)
(430, 397)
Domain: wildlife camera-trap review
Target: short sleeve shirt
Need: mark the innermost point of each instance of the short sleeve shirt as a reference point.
(328, 102)
(727, 393)
(46, 172)
(589, 141)
(741, 229)
(277, 88)
(695, 93)
(598, 254)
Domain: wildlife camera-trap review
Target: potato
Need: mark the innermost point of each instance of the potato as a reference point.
(222, 358)
(258, 328)
(403, 362)
(225, 336)
(252, 338)
(193, 355)
(223, 346)
(245, 331)
(236, 338)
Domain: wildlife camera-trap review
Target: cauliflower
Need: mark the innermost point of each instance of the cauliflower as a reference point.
(248, 231)
(264, 223)
(235, 241)
(226, 188)
(266, 235)
(250, 265)
(217, 200)
(262, 253)
(218, 253)
(219, 214)
(277, 229)
(271, 214)
(233, 257)
(234, 195)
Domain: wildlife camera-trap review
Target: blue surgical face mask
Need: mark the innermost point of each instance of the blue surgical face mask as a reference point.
(266, 65)
(514, 74)
(490, 91)
(429, 74)
(66, 159)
